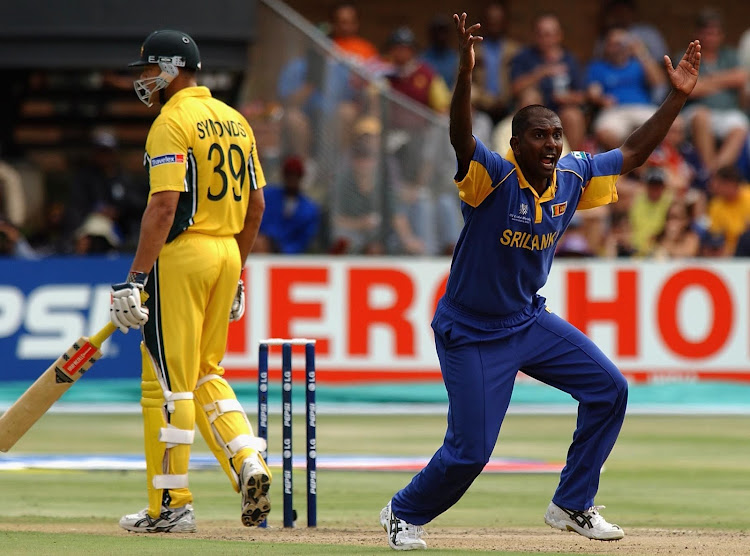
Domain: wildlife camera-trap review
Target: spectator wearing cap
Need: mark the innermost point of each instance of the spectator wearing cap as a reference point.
(291, 219)
(408, 143)
(98, 235)
(101, 185)
(441, 54)
(411, 76)
(729, 207)
(648, 211)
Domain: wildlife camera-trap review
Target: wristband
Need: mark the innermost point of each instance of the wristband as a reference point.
(136, 277)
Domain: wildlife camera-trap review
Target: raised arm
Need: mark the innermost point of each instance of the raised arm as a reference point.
(460, 113)
(642, 142)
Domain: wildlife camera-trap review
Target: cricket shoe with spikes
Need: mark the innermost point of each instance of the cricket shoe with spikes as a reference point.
(588, 523)
(401, 535)
(171, 520)
(255, 480)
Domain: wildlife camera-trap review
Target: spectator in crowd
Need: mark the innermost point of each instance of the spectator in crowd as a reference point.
(344, 33)
(678, 239)
(13, 243)
(743, 56)
(621, 85)
(743, 244)
(554, 70)
(729, 208)
(743, 161)
(678, 157)
(317, 94)
(360, 195)
(411, 76)
(624, 13)
(648, 211)
(714, 112)
(102, 186)
(492, 92)
(595, 224)
(410, 144)
(96, 236)
(49, 238)
(573, 243)
(619, 241)
(291, 219)
(438, 151)
(440, 53)
(712, 245)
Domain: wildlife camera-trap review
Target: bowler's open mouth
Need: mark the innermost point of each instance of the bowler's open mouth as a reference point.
(548, 161)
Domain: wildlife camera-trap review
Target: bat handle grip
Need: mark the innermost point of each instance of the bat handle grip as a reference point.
(98, 339)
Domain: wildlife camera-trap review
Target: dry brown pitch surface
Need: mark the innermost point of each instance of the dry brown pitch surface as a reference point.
(638, 542)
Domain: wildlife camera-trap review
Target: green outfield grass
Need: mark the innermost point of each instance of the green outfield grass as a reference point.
(688, 473)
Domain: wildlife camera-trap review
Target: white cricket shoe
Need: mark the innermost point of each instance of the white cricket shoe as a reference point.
(401, 535)
(588, 523)
(171, 520)
(255, 480)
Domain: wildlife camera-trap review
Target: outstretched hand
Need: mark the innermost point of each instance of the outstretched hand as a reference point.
(684, 77)
(466, 40)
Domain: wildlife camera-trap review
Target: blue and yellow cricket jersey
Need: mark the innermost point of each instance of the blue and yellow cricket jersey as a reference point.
(510, 232)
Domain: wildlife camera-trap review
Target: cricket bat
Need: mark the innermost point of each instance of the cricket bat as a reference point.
(52, 384)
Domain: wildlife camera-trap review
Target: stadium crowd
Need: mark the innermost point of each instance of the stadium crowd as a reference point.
(691, 199)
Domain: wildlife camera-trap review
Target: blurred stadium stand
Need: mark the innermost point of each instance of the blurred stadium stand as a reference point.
(65, 70)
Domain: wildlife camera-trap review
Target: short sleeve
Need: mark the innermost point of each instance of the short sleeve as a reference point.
(167, 150)
(599, 173)
(257, 178)
(487, 170)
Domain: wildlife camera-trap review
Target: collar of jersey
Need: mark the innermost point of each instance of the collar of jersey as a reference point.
(198, 91)
(548, 194)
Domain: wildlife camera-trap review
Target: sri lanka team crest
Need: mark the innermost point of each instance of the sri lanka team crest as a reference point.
(559, 208)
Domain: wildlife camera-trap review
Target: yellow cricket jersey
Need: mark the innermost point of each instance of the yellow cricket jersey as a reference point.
(206, 150)
(730, 218)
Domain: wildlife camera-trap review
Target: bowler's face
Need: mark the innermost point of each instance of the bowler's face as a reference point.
(539, 147)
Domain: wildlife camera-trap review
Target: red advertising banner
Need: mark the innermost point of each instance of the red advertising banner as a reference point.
(371, 317)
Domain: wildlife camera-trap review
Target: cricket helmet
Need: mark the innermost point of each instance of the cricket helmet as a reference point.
(170, 50)
(170, 46)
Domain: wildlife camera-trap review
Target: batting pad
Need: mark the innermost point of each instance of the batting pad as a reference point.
(168, 430)
(224, 426)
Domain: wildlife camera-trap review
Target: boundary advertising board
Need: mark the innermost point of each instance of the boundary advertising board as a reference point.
(371, 316)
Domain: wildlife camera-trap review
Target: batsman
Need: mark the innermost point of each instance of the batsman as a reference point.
(204, 209)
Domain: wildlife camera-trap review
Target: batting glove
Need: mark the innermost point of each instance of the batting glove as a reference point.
(238, 305)
(126, 310)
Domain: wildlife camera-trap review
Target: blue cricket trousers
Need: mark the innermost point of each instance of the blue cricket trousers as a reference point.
(479, 360)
